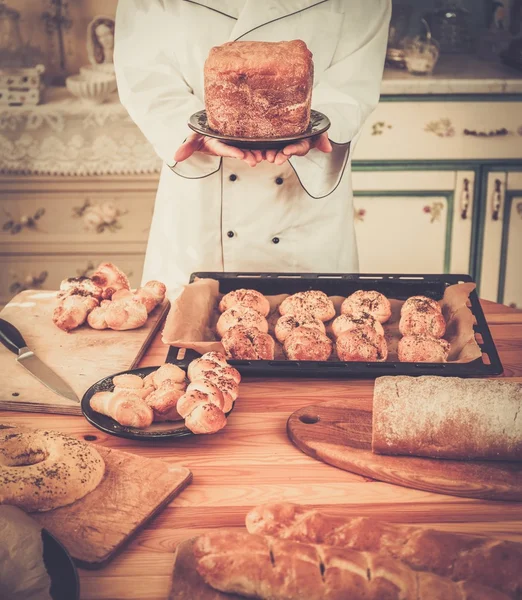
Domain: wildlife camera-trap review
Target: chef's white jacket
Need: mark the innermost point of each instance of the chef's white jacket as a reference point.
(214, 214)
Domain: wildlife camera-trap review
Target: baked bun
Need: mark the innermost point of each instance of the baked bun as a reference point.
(213, 393)
(206, 418)
(239, 315)
(370, 302)
(313, 302)
(248, 343)
(363, 344)
(287, 323)
(197, 366)
(168, 371)
(430, 323)
(217, 357)
(420, 304)
(308, 344)
(344, 323)
(228, 387)
(418, 348)
(247, 299)
(192, 398)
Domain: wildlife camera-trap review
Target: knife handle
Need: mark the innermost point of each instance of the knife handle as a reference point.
(10, 337)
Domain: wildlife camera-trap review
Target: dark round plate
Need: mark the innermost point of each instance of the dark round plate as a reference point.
(319, 123)
(61, 568)
(157, 431)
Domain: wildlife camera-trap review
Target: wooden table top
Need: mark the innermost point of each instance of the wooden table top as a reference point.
(252, 461)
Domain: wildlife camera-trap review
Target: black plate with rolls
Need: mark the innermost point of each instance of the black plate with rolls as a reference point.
(157, 431)
(392, 286)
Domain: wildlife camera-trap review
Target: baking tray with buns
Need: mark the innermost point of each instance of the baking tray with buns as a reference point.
(190, 328)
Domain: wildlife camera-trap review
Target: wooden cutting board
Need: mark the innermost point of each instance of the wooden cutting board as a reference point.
(187, 584)
(81, 357)
(341, 436)
(134, 489)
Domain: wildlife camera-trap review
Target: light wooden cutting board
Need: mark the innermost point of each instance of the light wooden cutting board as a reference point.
(80, 357)
(133, 490)
(340, 435)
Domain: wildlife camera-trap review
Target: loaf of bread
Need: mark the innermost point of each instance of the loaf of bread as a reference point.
(259, 89)
(447, 417)
(487, 561)
(273, 569)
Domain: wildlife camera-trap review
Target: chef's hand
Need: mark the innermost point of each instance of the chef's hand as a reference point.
(207, 145)
(320, 142)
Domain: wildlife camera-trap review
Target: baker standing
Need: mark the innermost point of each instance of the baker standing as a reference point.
(293, 212)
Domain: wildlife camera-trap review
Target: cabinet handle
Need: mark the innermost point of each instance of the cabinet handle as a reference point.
(493, 133)
(497, 199)
(465, 199)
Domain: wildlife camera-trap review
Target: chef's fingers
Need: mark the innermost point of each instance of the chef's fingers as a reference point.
(218, 148)
(249, 158)
(270, 155)
(280, 158)
(322, 143)
(258, 155)
(193, 143)
(297, 149)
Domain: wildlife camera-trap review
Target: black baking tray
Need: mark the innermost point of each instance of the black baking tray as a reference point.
(391, 285)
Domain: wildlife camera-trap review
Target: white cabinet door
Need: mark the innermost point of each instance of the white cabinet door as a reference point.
(413, 221)
(501, 273)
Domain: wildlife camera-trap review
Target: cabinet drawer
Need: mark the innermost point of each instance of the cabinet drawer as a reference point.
(19, 272)
(47, 220)
(442, 131)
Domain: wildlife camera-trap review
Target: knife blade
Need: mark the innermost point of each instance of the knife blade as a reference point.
(12, 339)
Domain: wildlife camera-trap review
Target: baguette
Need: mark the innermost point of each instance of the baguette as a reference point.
(490, 562)
(447, 417)
(273, 569)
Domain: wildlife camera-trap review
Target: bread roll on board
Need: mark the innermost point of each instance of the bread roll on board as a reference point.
(272, 569)
(489, 562)
(447, 417)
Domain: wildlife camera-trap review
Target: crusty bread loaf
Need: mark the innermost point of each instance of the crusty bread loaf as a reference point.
(487, 561)
(273, 569)
(259, 89)
(447, 417)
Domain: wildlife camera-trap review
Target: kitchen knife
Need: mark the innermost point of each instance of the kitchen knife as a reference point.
(12, 339)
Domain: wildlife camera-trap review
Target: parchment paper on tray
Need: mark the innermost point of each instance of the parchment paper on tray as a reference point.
(192, 320)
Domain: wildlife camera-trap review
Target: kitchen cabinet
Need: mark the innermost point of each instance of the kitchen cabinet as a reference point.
(413, 221)
(57, 227)
(501, 247)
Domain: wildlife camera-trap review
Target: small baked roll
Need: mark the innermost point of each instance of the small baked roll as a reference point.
(418, 348)
(197, 366)
(188, 402)
(248, 343)
(206, 418)
(420, 304)
(228, 387)
(141, 392)
(247, 298)
(346, 323)
(127, 380)
(163, 402)
(363, 344)
(239, 315)
(168, 371)
(214, 394)
(430, 323)
(287, 323)
(308, 344)
(217, 357)
(370, 302)
(312, 302)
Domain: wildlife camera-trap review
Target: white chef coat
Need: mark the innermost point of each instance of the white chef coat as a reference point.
(219, 214)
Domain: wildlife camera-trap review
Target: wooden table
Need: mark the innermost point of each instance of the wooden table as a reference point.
(251, 461)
